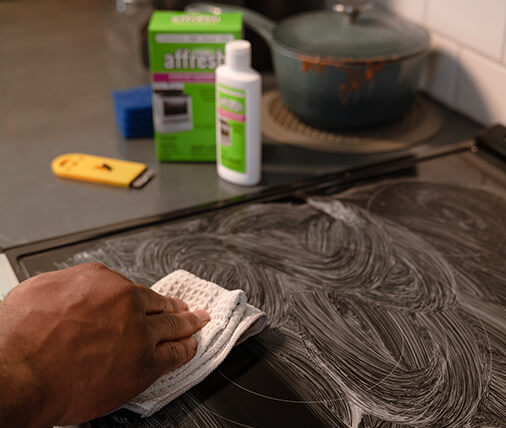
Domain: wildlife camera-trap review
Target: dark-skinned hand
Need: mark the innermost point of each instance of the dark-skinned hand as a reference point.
(77, 343)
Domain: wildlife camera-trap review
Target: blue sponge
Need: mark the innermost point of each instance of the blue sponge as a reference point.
(133, 112)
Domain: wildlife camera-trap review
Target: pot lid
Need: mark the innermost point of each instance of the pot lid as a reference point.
(370, 35)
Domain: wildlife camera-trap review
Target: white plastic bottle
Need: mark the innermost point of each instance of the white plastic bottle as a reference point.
(238, 133)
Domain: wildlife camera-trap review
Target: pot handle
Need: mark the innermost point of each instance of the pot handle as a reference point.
(262, 25)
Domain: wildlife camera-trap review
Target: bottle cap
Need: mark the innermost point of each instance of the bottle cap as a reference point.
(238, 54)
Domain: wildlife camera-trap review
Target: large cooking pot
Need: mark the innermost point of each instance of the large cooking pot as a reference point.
(350, 67)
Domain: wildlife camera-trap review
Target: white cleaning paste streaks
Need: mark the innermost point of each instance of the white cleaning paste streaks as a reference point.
(385, 303)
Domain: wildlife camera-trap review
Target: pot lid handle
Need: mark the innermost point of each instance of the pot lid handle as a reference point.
(261, 24)
(351, 9)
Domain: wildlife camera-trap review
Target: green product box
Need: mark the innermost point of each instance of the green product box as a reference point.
(184, 51)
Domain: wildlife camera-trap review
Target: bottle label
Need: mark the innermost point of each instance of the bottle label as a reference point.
(231, 124)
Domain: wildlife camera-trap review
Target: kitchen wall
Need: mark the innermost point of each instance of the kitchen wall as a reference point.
(467, 67)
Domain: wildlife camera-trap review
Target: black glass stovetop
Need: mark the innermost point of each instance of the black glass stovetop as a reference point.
(385, 289)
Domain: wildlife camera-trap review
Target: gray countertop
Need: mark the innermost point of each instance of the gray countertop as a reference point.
(59, 63)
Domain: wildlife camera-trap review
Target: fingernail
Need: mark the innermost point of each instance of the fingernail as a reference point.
(193, 342)
(203, 315)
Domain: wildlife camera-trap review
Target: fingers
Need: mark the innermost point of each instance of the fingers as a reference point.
(172, 326)
(171, 355)
(155, 303)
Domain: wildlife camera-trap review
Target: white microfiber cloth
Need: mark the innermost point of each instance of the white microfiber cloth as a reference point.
(233, 320)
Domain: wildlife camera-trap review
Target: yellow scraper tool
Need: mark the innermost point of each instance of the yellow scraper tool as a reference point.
(97, 169)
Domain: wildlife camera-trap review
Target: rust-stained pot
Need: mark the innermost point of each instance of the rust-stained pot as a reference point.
(337, 70)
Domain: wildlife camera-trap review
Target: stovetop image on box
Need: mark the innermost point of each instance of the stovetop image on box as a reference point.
(384, 289)
(172, 108)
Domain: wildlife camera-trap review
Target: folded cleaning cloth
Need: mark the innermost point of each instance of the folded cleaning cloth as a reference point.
(233, 320)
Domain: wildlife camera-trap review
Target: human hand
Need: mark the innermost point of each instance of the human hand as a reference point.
(79, 342)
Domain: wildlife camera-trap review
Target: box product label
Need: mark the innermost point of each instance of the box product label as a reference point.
(184, 51)
(232, 127)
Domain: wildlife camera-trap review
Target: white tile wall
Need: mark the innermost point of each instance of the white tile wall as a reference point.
(440, 74)
(467, 65)
(478, 24)
(481, 88)
(414, 10)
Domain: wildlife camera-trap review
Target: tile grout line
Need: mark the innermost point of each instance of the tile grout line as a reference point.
(472, 49)
(503, 51)
(425, 17)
